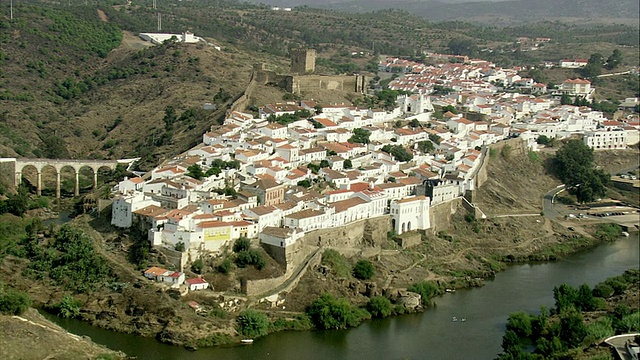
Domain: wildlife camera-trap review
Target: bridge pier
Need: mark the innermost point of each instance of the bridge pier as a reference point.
(58, 185)
(39, 185)
(76, 191)
(95, 179)
(18, 179)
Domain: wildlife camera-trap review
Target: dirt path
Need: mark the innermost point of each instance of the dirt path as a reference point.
(103, 16)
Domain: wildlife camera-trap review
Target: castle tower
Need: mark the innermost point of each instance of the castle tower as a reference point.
(303, 61)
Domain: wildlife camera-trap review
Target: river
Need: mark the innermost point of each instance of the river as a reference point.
(429, 335)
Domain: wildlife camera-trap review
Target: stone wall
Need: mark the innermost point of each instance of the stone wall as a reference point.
(440, 214)
(303, 83)
(364, 233)
(292, 275)
(409, 239)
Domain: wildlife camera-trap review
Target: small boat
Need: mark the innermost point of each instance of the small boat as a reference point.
(463, 319)
(625, 234)
(454, 319)
(450, 290)
(247, 341)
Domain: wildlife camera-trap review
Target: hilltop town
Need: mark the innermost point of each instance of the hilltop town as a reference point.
(298, 167)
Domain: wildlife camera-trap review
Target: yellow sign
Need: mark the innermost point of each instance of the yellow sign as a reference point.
(217, 234)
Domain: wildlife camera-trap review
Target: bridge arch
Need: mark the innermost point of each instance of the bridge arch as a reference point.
(59, 165)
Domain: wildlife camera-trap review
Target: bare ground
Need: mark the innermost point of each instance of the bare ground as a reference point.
(20, 334)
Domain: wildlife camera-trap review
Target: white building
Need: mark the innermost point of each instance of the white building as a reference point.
(606, 139)
(196, 284)
(409, 214)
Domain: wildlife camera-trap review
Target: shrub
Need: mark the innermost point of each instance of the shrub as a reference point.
(68, 307)
(242, 244)
(426, 289)
(252, 323)
(197, 266)
(250, 257)
(520, 323)
(328, 312)
(14, 302)
(225, 266)
(379, 307)
(336, 262)
(363, 270)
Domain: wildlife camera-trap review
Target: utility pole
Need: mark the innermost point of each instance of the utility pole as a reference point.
(154, 4)
(159, 21)
(11, 17)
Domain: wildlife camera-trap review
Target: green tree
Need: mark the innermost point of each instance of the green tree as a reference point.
(379, 307)
(435, 139)
(414, 123)
(363, 270)
(197, 266)
(304, 183)
(241, 244)
(324, 164)
(573, 328)
(360, 136)
(565, 296)
(347, 164)
(327, 312)
(195, 171)
(614, 60)
(574, 166)
(225, 266)
(169, 118)
(520, 323)
(449, 108)
(594, 66)
(398, 152)
(252, 323)
(426, 146)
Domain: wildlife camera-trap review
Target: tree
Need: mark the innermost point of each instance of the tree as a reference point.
(195, 171)
(594, 66)
(379, 307)
(304, 183)
(197, 266)
(363, 270)
(398, 152)
(449, 108)
(573, 328)
(544, 140)
(324, 164)
(565, 296)
(360, 136)
(414, 123)
(327, 312)
(179, 246)
(347, 164)
(520, 323)
(426, 146)
(614, 60)
(241, 244)
(565, 99)
(169, 118)
(252, 323)
(435, 138)
(574, 166)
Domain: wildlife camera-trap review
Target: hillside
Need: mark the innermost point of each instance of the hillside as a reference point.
(504, 12)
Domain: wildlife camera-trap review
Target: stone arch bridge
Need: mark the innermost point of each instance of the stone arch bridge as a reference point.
(58, 165)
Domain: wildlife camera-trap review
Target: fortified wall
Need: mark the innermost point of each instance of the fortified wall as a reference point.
(307, 252)
(440, 214)
(298, 84)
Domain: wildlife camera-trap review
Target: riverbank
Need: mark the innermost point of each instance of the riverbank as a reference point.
(31, 336)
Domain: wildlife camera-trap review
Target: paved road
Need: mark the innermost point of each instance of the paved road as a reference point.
(547, 203)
